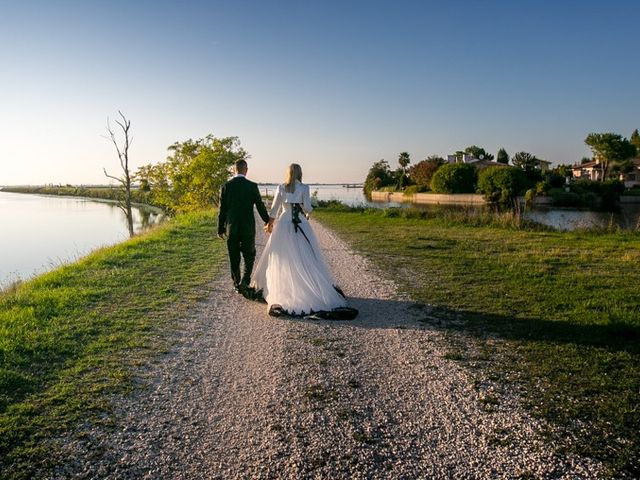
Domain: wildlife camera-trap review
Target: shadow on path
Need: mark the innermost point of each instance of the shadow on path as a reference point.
(385, 313)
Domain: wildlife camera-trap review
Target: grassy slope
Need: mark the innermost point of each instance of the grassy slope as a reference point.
(565, 306)
(69, 338)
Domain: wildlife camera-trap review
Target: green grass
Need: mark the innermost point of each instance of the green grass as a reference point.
(70, 338)
(554, 314)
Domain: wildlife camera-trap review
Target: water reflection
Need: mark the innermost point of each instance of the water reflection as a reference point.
(41, 232)
(627, 218)
(144, 217)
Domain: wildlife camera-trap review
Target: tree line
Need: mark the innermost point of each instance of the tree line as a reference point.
(612, 151)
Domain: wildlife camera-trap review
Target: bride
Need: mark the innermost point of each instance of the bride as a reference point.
(292, 274)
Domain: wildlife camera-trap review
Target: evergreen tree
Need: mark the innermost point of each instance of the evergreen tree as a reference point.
(635, 140)
(503, 156)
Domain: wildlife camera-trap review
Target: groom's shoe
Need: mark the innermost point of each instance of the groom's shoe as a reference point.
(239, 288)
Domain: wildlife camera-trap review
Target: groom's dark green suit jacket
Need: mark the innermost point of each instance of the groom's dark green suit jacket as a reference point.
(237, 198)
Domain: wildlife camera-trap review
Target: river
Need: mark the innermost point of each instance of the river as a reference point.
(40, 232)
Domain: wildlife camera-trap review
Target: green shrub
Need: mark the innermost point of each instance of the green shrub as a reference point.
(530, 195)
(598, 194)
(413, 189)
(454, 178)
(610, 193)
(414, 213)
(333, 205)
(565, 199)
(501, 184)
(554, 180)
(391, 212)
(380, 175)
(542, 188)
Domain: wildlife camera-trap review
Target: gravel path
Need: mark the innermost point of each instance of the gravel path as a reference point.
(245, 395)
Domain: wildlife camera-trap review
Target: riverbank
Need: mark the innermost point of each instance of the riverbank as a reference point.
(97, 193)
(41, 232)
(469, 198)
(70, 338)
(553, 315)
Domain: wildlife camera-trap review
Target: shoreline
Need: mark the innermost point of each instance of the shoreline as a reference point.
(66, 192)
(147, 217)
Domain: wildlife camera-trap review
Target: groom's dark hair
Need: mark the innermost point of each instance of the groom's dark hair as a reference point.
(241, 166)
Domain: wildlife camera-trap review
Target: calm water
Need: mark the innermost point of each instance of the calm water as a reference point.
(348, 196)
(41, 232)
(628, 218)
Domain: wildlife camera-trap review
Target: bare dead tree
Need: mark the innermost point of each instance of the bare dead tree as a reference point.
(123, 157)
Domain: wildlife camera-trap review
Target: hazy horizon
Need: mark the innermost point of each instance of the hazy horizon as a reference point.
(277, 182)
(334, 86)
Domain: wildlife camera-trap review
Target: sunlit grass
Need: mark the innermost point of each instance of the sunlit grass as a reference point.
(69, 338)
(565, 307)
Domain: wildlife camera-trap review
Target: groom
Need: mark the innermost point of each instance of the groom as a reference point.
(237, 223)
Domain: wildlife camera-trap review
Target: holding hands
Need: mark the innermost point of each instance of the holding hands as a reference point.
(268, 227)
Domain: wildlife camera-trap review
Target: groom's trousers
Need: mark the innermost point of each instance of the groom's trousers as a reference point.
(245, 245)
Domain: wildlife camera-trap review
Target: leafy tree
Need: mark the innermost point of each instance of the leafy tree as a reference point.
(401, 179)
(623, 167)
(422, 172)
(562, 170)
(609, 148)
(524, 161)
(478, 152)
(454, 178)
(530, 164)
(142, 176)
(380, 175)
(585, 160)
(191, 177)
(635, 140)
(503, 156)
(557, 176)
(501, 184)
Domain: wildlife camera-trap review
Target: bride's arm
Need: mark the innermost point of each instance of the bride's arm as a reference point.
(276, 204)
(306, 200)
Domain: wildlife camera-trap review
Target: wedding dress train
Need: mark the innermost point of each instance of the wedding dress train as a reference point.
(291, 273)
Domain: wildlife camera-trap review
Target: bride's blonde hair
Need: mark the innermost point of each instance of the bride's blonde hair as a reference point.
(294, 173)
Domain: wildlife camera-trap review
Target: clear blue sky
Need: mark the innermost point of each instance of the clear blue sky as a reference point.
(333, 86)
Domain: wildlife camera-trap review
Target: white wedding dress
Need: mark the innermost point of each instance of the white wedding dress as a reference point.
(291, 272)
